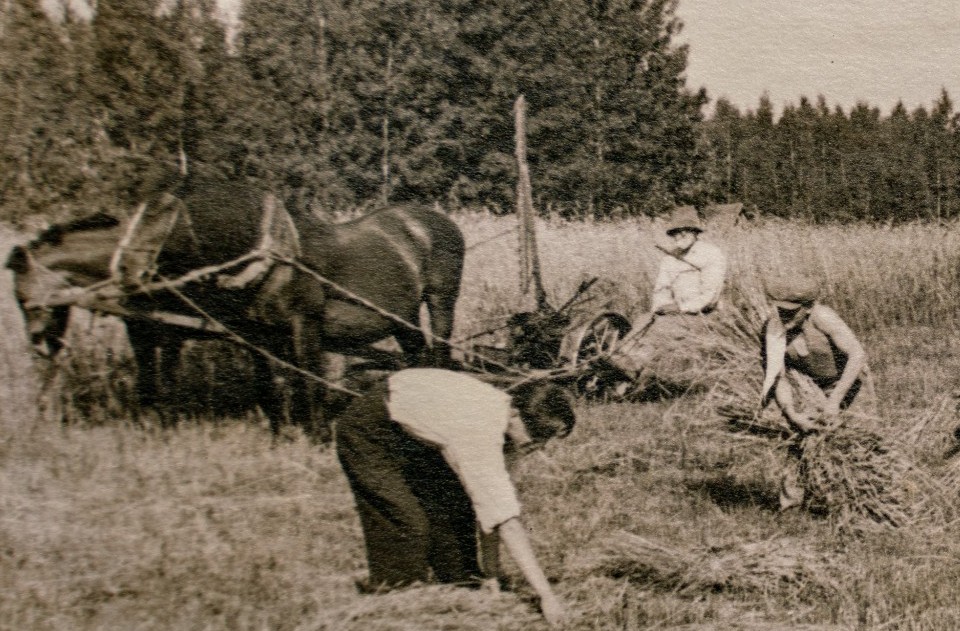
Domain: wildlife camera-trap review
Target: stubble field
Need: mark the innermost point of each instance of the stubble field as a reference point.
(104, 525)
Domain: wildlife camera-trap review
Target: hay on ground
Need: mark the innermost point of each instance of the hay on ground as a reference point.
(432, 607)
(762, 566)
(935, 435)
(682, 353)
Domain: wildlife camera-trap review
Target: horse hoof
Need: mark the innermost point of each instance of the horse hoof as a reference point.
(321, 436)
(287, 434)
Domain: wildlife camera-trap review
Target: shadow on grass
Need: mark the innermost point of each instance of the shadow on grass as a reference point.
(728, 492)
(608, 384)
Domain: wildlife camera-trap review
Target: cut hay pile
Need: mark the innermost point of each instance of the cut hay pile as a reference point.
(950, 478)
(850, 472)
(736, 383)
(430, 607)
(862, 479)
(944, 445)
(934, 437)
(683, 353)
(763, 566)
(933, 440)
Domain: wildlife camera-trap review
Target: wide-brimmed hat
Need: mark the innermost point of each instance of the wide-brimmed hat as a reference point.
(792, 292)
(684, 218)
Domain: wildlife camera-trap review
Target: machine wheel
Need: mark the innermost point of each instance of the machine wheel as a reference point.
(596, 339)
(600, 336)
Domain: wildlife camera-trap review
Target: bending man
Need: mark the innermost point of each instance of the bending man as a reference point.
(806, 339)
(424, 454)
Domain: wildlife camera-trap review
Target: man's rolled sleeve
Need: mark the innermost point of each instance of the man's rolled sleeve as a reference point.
(483, 473)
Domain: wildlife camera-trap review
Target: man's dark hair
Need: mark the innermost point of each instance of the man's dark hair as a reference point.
(545, 409)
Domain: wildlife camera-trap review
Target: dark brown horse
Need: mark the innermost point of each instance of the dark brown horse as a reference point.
(381, 268)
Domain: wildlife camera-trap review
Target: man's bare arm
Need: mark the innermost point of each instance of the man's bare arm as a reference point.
(783, 394)
(515, 538)
(843, 337)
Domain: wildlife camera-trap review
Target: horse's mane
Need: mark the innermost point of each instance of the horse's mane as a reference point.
(55, 233)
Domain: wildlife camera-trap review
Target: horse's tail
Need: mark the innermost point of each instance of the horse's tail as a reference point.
(441, 274)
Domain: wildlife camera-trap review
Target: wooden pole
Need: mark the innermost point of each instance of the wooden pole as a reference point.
(532, 295)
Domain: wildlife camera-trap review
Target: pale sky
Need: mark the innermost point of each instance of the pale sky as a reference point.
(877, 51)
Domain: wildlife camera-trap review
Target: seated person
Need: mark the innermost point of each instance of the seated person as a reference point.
(688, 286)
(691, 274)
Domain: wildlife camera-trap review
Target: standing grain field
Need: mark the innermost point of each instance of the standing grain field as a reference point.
(107, 526)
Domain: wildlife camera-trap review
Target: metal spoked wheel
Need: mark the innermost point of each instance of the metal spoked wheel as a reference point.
(596, 339)
(601, 335)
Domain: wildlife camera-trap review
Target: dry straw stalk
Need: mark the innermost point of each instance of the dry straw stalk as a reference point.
(763, 566)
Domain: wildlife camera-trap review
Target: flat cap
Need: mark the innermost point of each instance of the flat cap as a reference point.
(791, 292)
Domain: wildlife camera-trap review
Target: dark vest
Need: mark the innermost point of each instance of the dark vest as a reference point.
(814, 354)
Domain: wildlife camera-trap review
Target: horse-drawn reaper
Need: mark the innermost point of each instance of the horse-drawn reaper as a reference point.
(223, 259)
(226, 260)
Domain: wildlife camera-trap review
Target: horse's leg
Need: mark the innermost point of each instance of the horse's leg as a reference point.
(269, 386)
(168, 368)
(156, 349)
(440, 306)
(414, 346)
(145, 353)
(310, 393)
(280, 390)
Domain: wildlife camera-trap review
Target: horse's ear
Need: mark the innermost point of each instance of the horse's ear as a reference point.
(17, 261)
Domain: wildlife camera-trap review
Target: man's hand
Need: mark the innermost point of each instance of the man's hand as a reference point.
(514, 537)
(831, 410)
(553, 610)
(827, 416)
(802, 423)
(668, 309)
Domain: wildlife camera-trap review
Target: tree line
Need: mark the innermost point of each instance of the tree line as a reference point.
(826, 164)
(351, 103)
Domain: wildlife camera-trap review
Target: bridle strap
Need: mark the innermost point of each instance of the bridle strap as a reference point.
(56, 291)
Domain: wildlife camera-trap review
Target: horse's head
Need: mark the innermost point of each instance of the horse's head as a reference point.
(73, 254)
(33, 284)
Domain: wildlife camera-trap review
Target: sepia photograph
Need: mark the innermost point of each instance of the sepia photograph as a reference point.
(403, 315)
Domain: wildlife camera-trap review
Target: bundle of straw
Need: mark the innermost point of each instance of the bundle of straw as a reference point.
(736, 381)
(850, 472)
(864, 480)
(758, 566)
(688, 352)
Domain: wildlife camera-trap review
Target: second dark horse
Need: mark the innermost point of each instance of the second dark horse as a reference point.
(395, 259)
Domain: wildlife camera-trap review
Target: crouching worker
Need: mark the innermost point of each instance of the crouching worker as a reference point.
(814, 367)
(424, 452)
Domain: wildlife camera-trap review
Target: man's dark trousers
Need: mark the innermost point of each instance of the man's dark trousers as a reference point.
(418, 523)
